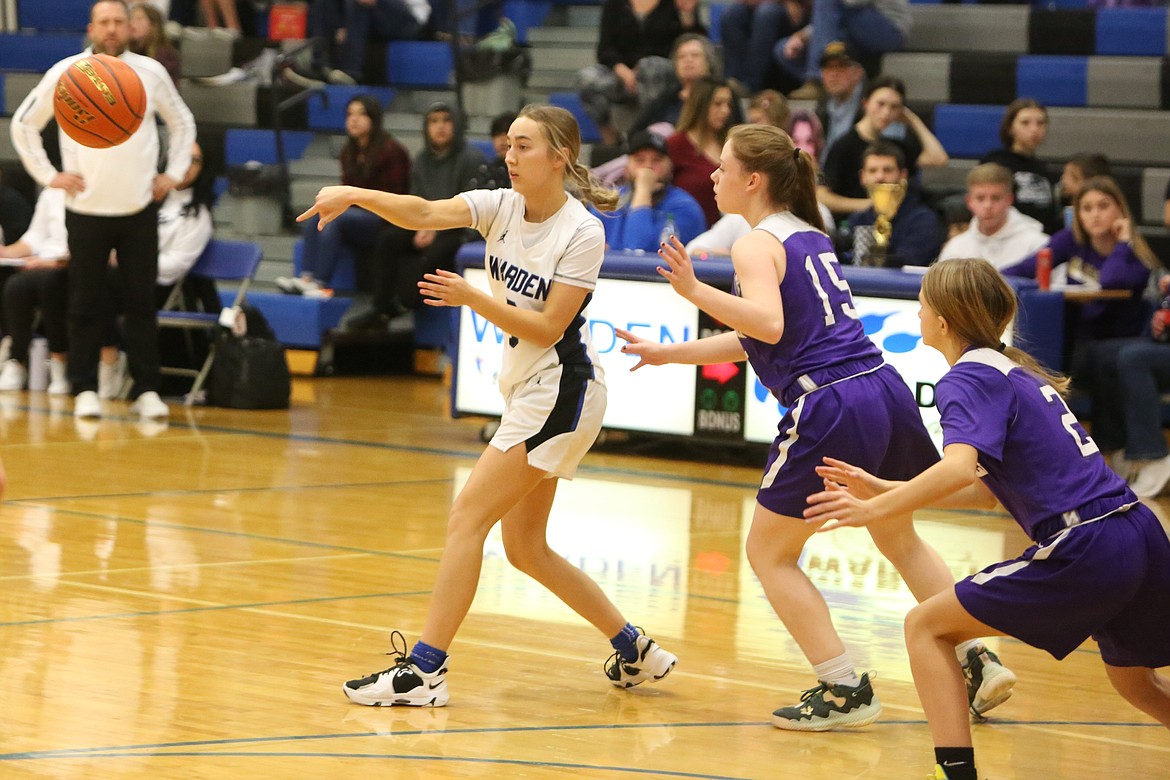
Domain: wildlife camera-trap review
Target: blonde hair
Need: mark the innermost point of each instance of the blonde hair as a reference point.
(1108, 187)
(979, 306)
(560, 130)
(989, 173)
(771, 104)
(790, 172)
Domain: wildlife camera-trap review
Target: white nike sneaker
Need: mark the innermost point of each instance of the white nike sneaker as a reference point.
(403, 684)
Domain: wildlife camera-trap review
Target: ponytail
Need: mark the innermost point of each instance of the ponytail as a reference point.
(790, 172)
(564, 138)
(979, 305)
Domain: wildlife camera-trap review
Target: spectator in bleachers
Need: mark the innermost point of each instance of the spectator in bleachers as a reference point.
(842, 82)
(15, 213)
(493, 174)
(1022, 131)
(807, 133)
(39, 285)
(768, 107)
(915, 234)
(749, 29)
(148, 38)
(870, 26)
(633, 50)
(693, 58)
(220, 15)
(883, 104)
(1128, 381)
(372, 159)
(1102, 250)
(446, 166)
(184, 222)
(695, 146)
(650, 207)
(998, 232)
(345, 28)
(1079, 168)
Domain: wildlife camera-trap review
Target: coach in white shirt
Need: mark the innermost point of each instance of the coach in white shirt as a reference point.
(111, 206)
(998, 232)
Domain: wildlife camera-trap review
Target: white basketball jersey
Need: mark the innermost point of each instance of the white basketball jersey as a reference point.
(523, 259)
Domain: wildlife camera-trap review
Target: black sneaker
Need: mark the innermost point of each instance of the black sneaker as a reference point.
(403, 684)
(829, 707)
(989, 683)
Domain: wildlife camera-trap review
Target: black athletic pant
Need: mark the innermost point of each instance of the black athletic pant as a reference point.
(91, 310)
(26, 293)
(399, 266)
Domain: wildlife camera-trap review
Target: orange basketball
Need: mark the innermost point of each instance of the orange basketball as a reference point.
(99, 101)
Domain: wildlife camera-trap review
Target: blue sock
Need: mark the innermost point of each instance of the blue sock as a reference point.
(429, 659)
(626, 643)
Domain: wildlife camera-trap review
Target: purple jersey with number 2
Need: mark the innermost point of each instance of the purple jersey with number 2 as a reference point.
(1040, 463)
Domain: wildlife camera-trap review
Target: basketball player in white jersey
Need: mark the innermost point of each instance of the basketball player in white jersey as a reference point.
(543, 257)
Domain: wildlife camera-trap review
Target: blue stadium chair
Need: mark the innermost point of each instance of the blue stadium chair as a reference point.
(332, 116)
(967, 131)
(36, 53)
(571, 102)
(54, 14)
(1132, 31)
(1054, 81)
(419, 63)
(230, 261)
(486, 147)
(713, 31)
(299, 322)
(243, 145)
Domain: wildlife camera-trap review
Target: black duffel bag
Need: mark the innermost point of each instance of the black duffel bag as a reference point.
(250, 371)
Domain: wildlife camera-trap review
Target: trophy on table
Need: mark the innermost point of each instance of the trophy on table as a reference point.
(886, 200)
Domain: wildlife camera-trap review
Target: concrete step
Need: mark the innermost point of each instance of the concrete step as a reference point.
(563, 58)
(563, 37)
(553, 80)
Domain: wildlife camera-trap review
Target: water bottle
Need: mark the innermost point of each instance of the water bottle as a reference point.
(668, 230)
(1044, 268)
(38, 364)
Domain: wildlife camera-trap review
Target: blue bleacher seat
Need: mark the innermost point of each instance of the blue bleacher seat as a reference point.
(53, 14)
(713, 31)
(1054, 81)
(1132, 31)
(298, 321)
(36, 53)
(484, 146)
(571, 102)
(332, 116)
(419, 63)
(243, 145)
(526, 14)
(968, 131)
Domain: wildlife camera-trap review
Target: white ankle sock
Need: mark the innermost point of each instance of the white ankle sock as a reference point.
(837, 671)
(962, 648)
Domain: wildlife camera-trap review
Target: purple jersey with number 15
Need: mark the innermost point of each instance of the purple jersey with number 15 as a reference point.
(1040, 463)
(823, 339)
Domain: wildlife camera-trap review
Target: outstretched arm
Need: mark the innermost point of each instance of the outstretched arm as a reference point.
(757, 311)
(408, 211)
(838, 506)
(724, 348)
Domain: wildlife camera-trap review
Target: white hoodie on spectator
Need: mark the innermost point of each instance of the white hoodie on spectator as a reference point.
(1019, 237)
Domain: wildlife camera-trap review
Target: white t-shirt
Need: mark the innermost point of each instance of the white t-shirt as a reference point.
(523, 259)
(181, 237)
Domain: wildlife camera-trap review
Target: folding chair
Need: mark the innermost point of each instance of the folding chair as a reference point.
(222, 260)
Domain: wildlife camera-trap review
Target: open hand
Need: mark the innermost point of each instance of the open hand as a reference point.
(680, 272)
(445, 288)
(649, 353)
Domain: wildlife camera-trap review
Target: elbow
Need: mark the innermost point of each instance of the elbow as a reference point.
(770, 332)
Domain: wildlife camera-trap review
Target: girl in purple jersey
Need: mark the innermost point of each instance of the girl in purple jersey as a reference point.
(1101, 563)
(793, 318)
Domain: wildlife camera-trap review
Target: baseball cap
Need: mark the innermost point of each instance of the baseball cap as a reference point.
(647, 139)
(838, 52)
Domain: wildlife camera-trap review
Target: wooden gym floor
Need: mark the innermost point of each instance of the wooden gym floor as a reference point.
(184, 601)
